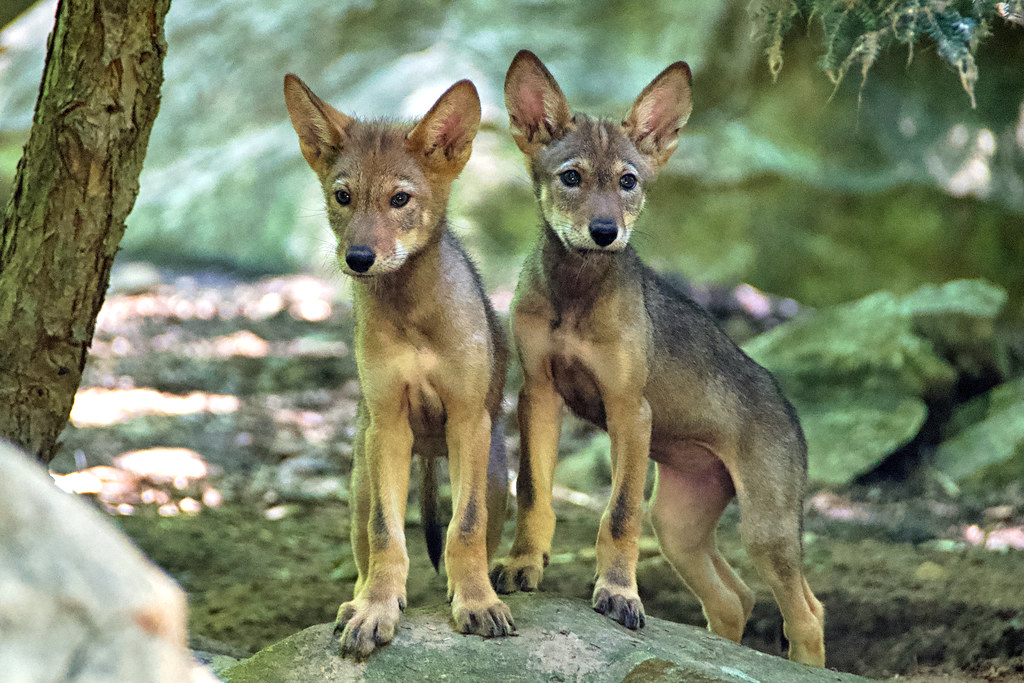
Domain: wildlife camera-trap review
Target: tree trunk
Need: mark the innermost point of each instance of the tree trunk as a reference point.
(75, 184)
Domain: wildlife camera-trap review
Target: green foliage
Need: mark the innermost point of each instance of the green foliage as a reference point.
(855, 32)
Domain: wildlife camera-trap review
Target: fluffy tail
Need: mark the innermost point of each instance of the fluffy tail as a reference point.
(428, 511)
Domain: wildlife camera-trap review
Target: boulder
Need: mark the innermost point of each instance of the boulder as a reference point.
(559, 639)
(77, 599)
(861, 374)
(983, 443)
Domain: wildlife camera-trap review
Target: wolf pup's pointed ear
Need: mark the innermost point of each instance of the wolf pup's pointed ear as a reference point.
(659, 112)
(320, 126)
(443, 139)
(537, 110)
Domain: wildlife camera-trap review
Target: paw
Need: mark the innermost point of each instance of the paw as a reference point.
(807, 647)
(490, 619)
(365, 625)
(518, 573)
(621, 605)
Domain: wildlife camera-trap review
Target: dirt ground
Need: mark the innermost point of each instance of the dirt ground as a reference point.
(255, 380)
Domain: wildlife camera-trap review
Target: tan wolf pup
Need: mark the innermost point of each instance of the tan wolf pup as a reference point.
(430, 351)
(597, 330)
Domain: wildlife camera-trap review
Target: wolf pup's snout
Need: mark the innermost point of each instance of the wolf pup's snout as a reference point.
(360, 258)
(603, 231)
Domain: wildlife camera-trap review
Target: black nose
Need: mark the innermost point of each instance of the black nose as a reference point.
(603, 231)
(360, 258)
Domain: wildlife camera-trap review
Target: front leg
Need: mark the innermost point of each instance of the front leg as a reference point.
(540, 424)
(475, 606)
(615, 591)
(369, 619)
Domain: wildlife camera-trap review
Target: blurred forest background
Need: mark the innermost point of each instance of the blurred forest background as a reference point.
(878, 217)
(802, 189)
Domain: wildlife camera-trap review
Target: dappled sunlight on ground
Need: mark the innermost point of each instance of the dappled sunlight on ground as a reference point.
(302, 297)
(173, 480)
(98, 407)
(1000, 538)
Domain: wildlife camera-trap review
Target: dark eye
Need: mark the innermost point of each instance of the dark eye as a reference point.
(400, 199)
(627, 181)
(570, 178)
(343, 197)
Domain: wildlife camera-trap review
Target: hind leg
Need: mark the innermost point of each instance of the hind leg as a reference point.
(685, 508)
(770, 524)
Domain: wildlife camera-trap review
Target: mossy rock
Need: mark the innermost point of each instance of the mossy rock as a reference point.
(558, 639)
(958, 318)
(860, 374)
(868, 343)
(849, 432)
(984, 444)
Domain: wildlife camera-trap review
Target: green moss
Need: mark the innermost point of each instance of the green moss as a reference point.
(984, 441)
(860, 374)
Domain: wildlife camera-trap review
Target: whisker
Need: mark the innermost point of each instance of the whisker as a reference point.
(640, 236)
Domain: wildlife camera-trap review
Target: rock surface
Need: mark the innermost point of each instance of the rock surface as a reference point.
(78, 601)
(559, 640)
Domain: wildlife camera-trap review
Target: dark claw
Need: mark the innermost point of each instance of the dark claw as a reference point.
(523, 581)
(487, 625)
(499, 579)
(626, 611)
(402, 603)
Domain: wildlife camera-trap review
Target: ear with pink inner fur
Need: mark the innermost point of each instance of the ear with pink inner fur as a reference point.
(660, 112)
(537, 109)
(321, 127)
(443, 139)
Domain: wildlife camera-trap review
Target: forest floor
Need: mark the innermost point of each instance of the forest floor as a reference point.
(214, 424)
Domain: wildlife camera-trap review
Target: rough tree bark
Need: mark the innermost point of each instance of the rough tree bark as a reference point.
(75, 184)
